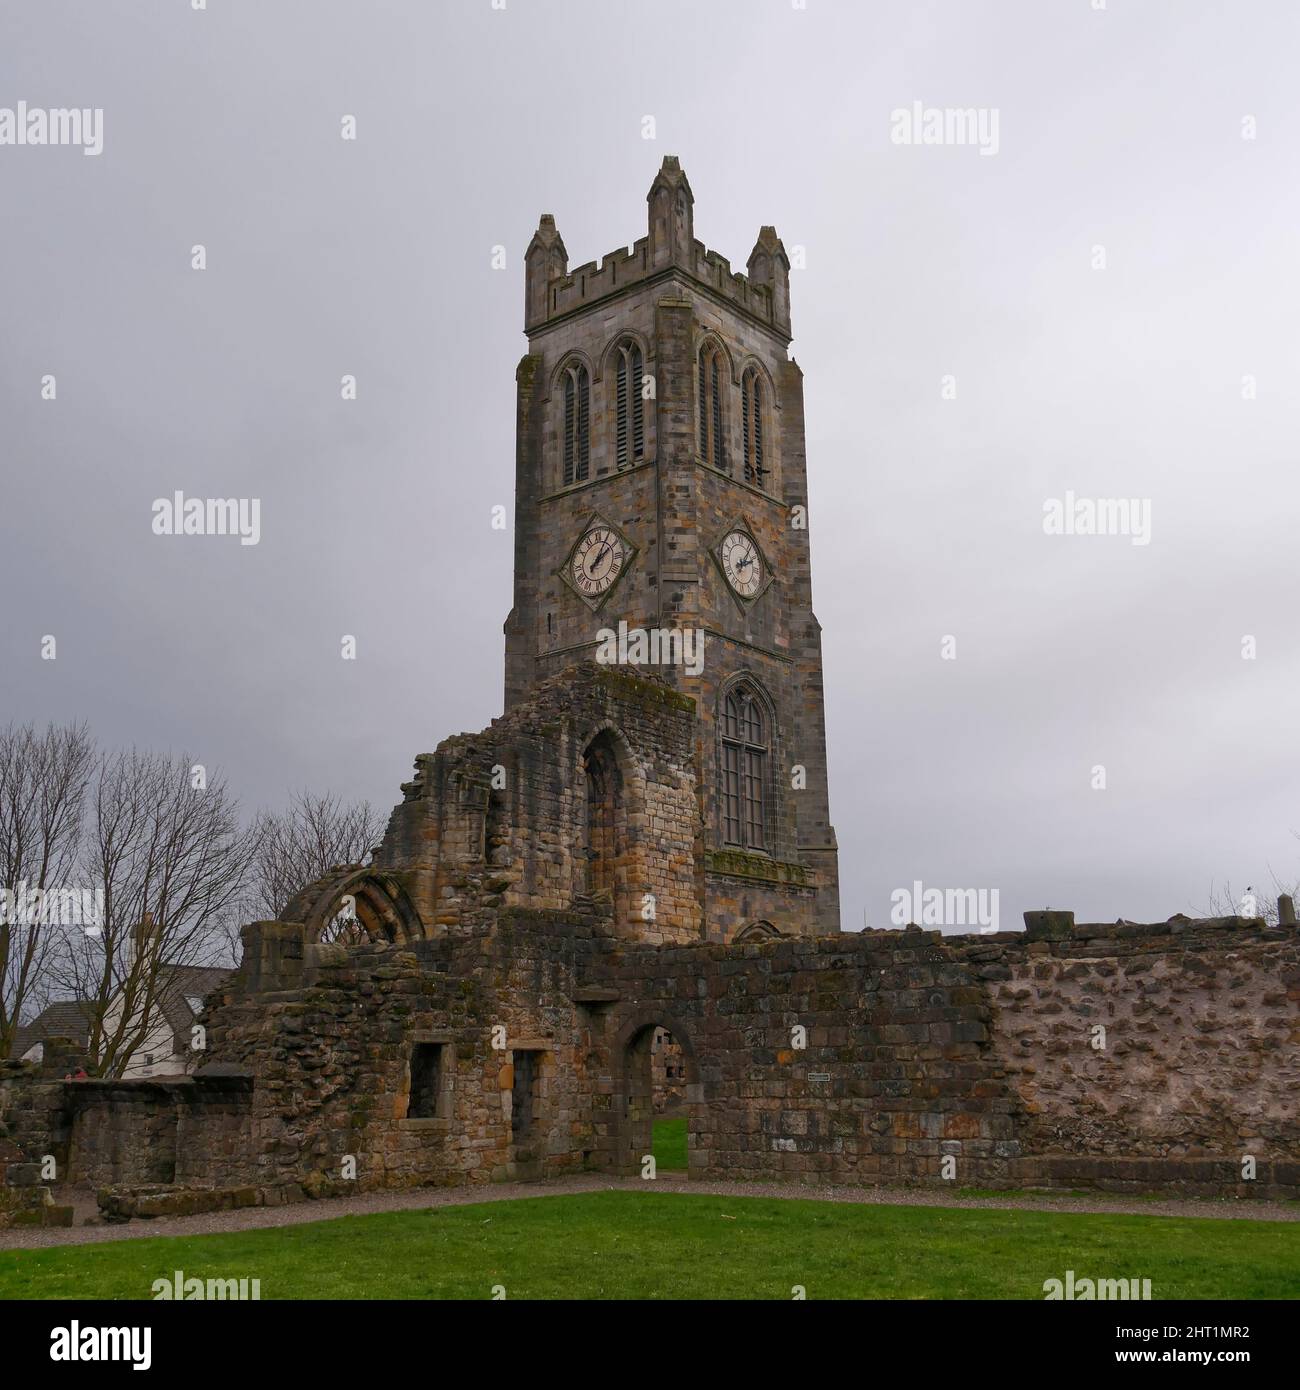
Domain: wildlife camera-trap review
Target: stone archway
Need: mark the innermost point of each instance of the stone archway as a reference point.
(353, 905)
(637, 1069)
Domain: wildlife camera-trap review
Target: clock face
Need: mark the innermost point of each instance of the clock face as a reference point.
(597, 562)
(741, 563)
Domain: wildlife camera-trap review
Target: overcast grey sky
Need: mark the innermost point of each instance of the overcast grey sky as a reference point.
(1119, 128)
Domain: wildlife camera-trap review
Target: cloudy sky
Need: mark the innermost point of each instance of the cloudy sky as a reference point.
(1114, 293)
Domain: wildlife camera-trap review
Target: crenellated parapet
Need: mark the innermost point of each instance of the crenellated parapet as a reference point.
(553, 291)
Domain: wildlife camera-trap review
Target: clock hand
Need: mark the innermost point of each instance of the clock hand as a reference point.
(592, 564)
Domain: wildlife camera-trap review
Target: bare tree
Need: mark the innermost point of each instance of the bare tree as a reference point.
(1225, 903)
(168, 852)
(299, 845)
(43, 777)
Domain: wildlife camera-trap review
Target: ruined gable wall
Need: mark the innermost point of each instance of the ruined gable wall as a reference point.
(484, 848)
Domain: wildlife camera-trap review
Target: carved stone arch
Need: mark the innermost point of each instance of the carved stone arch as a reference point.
(624, 335)
(377, 900)
(757, 931)
(634, 766)
(747, 676)
(769, 381)
(640, 1017)
(557, 372)
(710, 338)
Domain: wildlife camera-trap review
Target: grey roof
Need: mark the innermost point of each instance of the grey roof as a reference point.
(176, 985)
(70, 1018)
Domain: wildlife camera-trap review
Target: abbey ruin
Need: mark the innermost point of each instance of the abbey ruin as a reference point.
(636, 857)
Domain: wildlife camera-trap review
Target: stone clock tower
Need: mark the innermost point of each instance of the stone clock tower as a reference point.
(662, 484)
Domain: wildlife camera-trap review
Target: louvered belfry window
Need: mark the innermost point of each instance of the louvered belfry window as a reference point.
(713, 380)
(751, 419)
(744, 770)
(629, 407)
(577, 423)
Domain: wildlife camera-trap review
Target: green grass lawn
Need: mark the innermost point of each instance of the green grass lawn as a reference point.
(670, 1145)
(660, 1245)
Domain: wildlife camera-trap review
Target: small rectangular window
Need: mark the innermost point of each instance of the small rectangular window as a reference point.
(426, 1081)
(523, 1108)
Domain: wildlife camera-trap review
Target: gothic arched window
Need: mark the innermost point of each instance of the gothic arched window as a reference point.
(577, 423)
(629, 408)
(606, 815)
(713, 380)
(751, 420)
(744, 769)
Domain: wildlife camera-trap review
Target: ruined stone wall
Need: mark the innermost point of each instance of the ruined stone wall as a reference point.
(1180, 1039)
(526, 1051)
(981, 1050)
(34, 1128)
(123, 1132)
(916, 1048)
(333, 1062)
(502, 815)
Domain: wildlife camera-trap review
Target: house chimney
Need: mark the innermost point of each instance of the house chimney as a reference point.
(142, 935)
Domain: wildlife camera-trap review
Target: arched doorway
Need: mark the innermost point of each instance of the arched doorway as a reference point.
(656, 1096)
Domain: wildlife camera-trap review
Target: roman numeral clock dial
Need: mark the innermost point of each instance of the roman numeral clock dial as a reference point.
(597, 562)
(742, 564)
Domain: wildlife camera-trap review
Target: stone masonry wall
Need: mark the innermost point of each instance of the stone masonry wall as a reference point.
(879, 1057)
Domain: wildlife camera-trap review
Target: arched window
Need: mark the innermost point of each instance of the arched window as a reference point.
(744, 770)
(713, 380)
(606, 815)
(751, 420)
(577, 421)
(629, 407)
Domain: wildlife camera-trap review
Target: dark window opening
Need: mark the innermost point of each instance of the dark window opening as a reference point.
(629, 408)
(426, 1081)
(523, 1108)
(713, 377)
(751, 418)
(577, 433)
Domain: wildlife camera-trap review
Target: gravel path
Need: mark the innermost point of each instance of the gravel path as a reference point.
(422, 1198)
